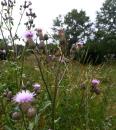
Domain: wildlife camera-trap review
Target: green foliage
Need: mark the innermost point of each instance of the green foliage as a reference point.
(92, 53)
(76, 108)
(2, 44)
(96, 53)
(106, 20)
(109, 44)
(76, 25)
(66, 99)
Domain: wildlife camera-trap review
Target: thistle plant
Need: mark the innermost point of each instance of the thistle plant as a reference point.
(47, 92)
(25, 97)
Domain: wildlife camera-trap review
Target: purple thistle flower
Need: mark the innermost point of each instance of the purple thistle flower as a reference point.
(36, 86)
(95, 82)
(29, 35)
(24, 96)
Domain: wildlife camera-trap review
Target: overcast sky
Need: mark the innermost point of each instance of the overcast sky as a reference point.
(47, 10)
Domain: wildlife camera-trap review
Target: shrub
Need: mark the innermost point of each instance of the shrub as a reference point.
(95, 53)
(91, 53)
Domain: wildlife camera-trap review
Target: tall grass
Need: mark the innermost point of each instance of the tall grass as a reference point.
(76, 108)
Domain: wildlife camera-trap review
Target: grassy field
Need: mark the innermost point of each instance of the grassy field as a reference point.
(76, 108)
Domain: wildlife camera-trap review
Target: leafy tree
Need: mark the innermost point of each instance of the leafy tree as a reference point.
(76, 24)
(58, 23)
(106, 21)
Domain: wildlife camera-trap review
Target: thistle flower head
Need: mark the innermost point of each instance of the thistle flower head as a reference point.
(24, 96)
(29, 35)
(40, 34)
(95, 82)
(45, 37)
(39, 30)
(31, 112)
(36, 86)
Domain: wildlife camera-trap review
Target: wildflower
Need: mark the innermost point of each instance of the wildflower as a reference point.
(9, 95)
(36, 86)
(45, 37)
(39, 33)
(49, 58)
(24, 96)
(95, 87)
(16, 115)
(95, 82)
(96, 90)
(29, 39)
(31, 112)
(29, 35)
(41, 45)
(38, 30)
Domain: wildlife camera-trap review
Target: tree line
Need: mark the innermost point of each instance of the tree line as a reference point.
(100, 35)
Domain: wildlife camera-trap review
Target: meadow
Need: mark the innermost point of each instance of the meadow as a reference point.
(56, 81)
(73, 106)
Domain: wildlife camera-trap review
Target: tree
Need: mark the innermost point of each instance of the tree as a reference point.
(76, 24)
(106, 21)
(58, 23)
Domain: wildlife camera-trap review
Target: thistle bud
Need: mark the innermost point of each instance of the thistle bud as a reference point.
(49, 58)
(45, 37)
(5, 94)
(41, 45)
(16, 116)
(82, 86)
(31, 112)
(9, 95)
(97, 90)
(36, 87)
(39, 33)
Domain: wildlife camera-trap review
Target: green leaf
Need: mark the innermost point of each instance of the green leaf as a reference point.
(45, 106)
(31, 126)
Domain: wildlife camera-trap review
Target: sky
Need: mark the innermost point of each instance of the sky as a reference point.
(47, 10)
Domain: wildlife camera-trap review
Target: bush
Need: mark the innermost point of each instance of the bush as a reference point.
(91, 53)
(95, 53)
(109, 46)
